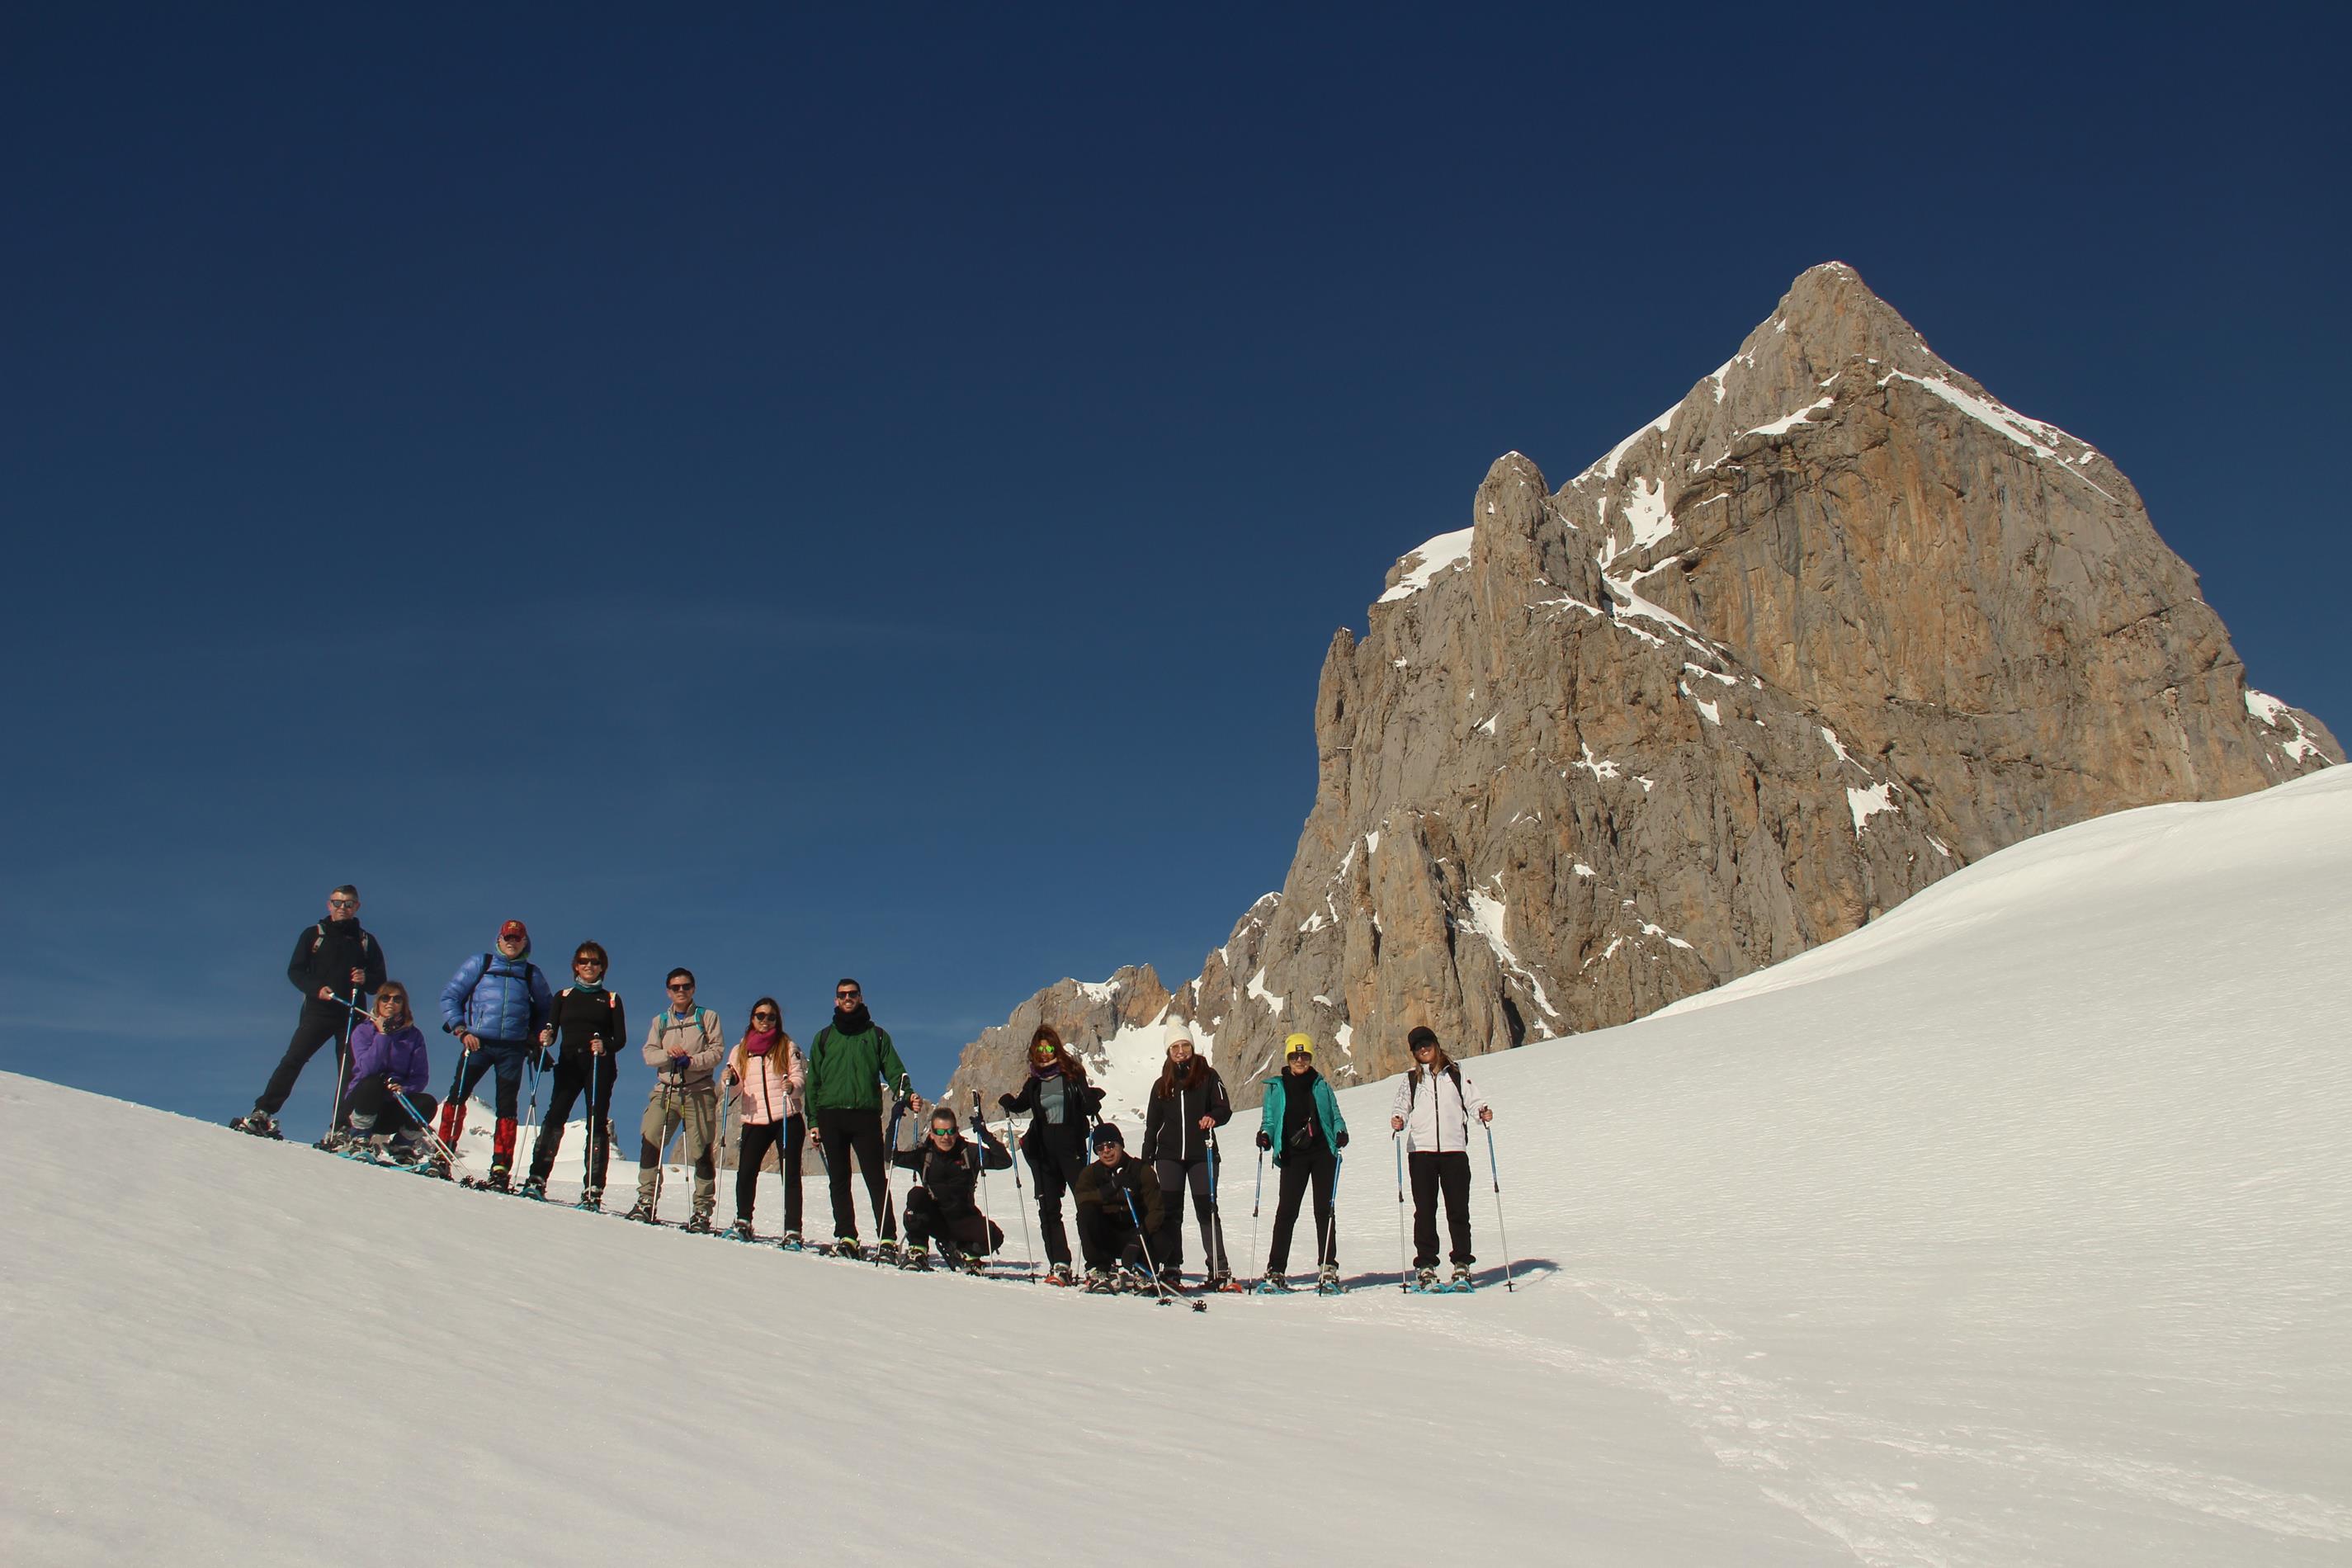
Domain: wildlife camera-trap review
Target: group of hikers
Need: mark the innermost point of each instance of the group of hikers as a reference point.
(506, 1018)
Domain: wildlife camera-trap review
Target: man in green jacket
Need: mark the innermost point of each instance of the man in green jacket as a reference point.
(851, 1062)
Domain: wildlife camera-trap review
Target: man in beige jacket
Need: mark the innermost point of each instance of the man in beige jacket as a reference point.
(684, 1046)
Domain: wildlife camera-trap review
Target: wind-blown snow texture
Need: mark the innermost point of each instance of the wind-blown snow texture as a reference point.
(2010, 1228)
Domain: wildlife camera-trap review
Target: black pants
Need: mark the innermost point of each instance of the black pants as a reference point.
(1430, 1172)
(971, 1232)
(505, 1058)
(1109, 1238)
(575, 1073)
(375, 1109)
(839, 1134)
(1052, 1183)
(318, 1024)
(759, 1137)
(1323, 1167)
(1168, 1247)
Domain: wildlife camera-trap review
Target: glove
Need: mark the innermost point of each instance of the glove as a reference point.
(546, 1061)
(1008, 1102)
(1264, 1140)
(1341, 1140)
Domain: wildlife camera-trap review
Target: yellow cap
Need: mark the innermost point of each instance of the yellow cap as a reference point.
(1296, 1043)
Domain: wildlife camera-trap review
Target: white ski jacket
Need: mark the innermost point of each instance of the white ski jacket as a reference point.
(1437, 1119)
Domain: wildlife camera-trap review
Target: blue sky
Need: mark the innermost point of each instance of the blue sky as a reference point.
(870, 493)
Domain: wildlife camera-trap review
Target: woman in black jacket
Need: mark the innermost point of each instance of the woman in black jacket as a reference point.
(1187, 1105)
(1061, 1107)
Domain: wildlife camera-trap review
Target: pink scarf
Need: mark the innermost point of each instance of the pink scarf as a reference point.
(759, 1042)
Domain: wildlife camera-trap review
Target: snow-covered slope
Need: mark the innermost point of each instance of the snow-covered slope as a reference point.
(2015, 1227)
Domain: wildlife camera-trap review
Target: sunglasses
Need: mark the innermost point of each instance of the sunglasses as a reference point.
(763, 1017)
(587, 963)
(342, 903)
(847, 996)
(681, 985)
(943, 1131)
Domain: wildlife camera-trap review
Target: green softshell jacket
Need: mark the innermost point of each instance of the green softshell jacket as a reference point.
(847, 1072)
(1327, 1111)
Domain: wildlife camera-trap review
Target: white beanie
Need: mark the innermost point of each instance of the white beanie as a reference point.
(1176, 1029)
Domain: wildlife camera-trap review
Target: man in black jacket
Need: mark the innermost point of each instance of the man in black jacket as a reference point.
(943, 1207)
(1113, 1193)
(334, 961)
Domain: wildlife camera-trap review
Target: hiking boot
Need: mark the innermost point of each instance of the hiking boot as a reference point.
(843, 1246)
(643, 1211)
(533, 1187)
(1327, 1277)
(1098, 1281)
(792, 1241)
(885, 1251)
(259, 1122)
(916, 1260)
(1425, 1280)
(592, 1198)
(497, 1180)
(1060, 1276)
(1172, 1274)
(741, 1231)
(1462, 1275)
(1223, 1280)
(1275, 1280)
(699, 1222)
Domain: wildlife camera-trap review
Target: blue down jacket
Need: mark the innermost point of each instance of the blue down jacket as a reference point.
(506, 1000)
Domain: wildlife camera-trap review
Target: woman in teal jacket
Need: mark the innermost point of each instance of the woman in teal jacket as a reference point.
(1303, 1127)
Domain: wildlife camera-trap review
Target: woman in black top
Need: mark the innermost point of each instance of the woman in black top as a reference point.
(1187, 1105)
(1061, 1107)
(588, 1021)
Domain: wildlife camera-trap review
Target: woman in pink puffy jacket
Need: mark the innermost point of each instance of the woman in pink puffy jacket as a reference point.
(768, 1073)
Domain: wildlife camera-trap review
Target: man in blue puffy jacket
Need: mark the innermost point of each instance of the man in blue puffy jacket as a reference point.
(496, 1005)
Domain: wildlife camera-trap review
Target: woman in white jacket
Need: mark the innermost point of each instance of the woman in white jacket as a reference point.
(1434, 1105)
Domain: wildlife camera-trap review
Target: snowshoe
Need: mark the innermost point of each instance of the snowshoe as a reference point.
(260, 1123)
(698, 1225)
(532, 1187)
(844, 1247)
(1275, 1283)
(1461, 1281)
(1223, 1280)
(885, 1251)
(741, 1231)
(1172, 1278)
(1424, 1280)
(592, 1199)
(915, 1260)
(643, 1213)
(792, 1241)
(1060, 1275)
(1327, 1281)
(1099, 1283)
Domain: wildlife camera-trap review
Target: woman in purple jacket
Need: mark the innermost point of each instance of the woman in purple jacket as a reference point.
(388, 1064)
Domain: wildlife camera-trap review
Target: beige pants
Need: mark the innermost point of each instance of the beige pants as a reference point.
(697, 1111)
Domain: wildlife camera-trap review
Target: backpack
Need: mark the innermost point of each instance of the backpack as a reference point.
(1413, 1086)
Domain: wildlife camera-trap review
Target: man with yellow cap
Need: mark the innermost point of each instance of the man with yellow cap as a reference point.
(1302, 1126)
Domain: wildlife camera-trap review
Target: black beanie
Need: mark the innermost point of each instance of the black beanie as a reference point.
(1106, 1134)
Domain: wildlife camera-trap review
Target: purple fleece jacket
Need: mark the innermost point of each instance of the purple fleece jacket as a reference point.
(399, 1055)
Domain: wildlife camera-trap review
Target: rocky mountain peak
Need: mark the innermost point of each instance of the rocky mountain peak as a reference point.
(1837, 623)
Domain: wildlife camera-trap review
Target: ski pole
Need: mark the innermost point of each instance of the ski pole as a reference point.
(1500, 1234)
(1021, 1200)
(1218, 1262)
(886, 1218)
(1398, 1139)
(1257, 1202)
(1135, 1219)
(425, 1127)
(980, 1130)
(1330, 1237)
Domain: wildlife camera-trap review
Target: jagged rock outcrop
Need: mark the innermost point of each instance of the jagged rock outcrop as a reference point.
(1834, 624)
(1112, 1026)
